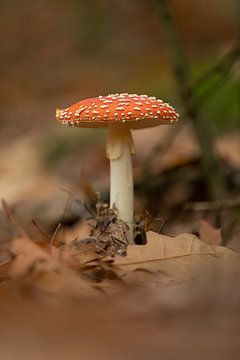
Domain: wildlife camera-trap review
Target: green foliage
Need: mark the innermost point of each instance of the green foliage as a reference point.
(223, 106)
(218, 95)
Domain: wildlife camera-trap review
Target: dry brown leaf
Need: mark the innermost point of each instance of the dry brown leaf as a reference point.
(228, 148)
(38, 271)
(182, 150)
(209, 234)
(163, 261)
(175, 259)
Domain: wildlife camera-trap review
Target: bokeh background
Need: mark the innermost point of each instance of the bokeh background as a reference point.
(54, 53)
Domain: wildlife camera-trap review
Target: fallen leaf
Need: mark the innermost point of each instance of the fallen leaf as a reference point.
(228, 148)
(209, 234)
(39, 272)
(177, 259)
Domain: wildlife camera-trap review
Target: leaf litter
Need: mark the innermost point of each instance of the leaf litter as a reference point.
(124, 305)
(73, 269)
(36, 271)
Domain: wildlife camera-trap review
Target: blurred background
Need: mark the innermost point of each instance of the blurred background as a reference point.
(55, 53)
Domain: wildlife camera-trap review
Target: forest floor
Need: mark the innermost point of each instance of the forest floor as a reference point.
(62, 296)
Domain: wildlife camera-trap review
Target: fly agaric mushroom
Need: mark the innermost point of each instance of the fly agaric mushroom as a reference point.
(119, 113)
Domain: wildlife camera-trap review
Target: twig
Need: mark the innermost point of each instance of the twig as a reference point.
(12, 220)
(177, 56)
(210, 164)
(219, 205)
(68, 202)
(220, 68)
(43, 232)
(55, 234)
(220, 72)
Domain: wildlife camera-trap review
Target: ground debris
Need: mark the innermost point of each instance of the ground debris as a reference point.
(108, 236)
(34, 271)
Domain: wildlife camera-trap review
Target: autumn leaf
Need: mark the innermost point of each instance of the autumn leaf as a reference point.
(162, 261)
(209, 234)
(39, 272)
(177, 259)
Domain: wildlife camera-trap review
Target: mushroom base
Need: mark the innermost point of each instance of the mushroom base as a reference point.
(119, 151)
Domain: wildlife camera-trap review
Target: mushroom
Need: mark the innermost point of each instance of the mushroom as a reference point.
(119, 113)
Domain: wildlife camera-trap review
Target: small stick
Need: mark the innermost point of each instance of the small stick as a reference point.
(11, 218)
(214, 205)
(55, 234)
(43, 232)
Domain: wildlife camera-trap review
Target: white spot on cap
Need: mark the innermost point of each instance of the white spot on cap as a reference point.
(123, 104)
(107, 101)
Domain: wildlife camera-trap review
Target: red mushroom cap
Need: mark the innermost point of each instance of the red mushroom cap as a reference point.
(137, 111)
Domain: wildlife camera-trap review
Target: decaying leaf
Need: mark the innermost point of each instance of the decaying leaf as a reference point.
(209, 234)
(39, 272)
(164, 260)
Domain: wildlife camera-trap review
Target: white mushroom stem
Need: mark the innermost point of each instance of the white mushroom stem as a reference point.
(120, 149)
